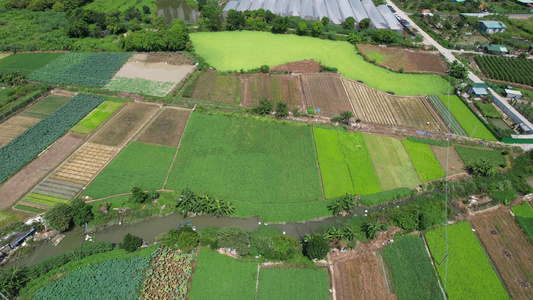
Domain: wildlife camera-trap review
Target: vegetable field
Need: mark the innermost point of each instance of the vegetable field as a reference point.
(470, 274)
(116, 278)
(26, 63)
(510, 69)
(96, 117)
(255, 163)
(467, 119)
(169, 275)
(293, 283)
(345, 164)
(391, 162)
(325, 93)
(411, 269)
(140, 86)
(424, 161)
(33, 141)
(139, 164)
(447, 115)
(524, 218)
(221, 277)
(45, 107)
(471, 155)
(89, 69)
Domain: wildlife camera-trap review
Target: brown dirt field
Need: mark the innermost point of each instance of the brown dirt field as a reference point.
(159, 71)
(455, 164)
(124, 125)
(167, 128)
(359, 273)
(16, 186)
(374, 106)
(274, 87)
(408, 59)
(173, 58)
(303, 66)
(326, 92)
(508, 248)
(14, 126)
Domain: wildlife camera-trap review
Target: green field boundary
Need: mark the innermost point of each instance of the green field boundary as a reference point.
(508, 140)
(49, 198)
(447, 115)
(28, 208)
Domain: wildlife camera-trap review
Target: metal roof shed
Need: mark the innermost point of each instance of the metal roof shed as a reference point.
(358, 10)
(389, 17)
(375, 17)
(334, 13)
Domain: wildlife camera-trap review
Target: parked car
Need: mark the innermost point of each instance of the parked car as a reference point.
(391, 8)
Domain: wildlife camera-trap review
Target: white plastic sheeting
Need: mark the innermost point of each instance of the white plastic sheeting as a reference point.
(270, 5)
(244, 5)
(320, 9)
(231, 5)
(358, 10)
(376, 19)
(281, 8)
(295, 7)
(308, 10)
(389, 17)
(333, 11)
(256, 4)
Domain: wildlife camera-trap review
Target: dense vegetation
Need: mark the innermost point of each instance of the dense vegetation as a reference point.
(470, 155)
(510, 69)
(13, 99)
(488, 110)
(22, 149)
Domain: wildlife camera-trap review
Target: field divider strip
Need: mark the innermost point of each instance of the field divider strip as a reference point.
(257, 281)
(177, 148)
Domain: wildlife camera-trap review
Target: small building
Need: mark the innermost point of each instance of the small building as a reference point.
(490, 27)
(426, 12)
(458, 1)
(513, 94)
(478, 90)
(495, 49)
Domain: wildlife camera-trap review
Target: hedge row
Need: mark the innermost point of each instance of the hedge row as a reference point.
(25, 147)
(384, 197)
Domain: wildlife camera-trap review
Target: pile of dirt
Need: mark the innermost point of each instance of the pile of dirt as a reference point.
(175, 59)
(303, 66)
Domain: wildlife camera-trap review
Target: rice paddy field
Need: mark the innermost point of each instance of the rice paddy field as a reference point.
(264, 167)
(293, 283)
(470, 273)
(467, 119)
(411, 270)
(26, 63)
(424, 161)
(248, 50)
(391, 162)
(139, 164)
(218, 276)
(345, 164)
(96, 117)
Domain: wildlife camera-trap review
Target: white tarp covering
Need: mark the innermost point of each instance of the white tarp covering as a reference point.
(308, 10)
(333, 11)
(295, 7)
(320, 9)
(256, 4)
(345, 9)
(389, 17)
(358, 10)
(231, 5)
(281, 8)
(376, 19)
(244, 5)
(270, 5)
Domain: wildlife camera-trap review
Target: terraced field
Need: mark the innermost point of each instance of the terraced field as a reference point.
(374, 106)
(325, 93)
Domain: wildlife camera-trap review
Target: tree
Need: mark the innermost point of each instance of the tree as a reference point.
(138, 195)
(355, 38)
(264, 69)
(457, 70)
(133, 13)
(371, 229)
(146, 10)
(130, 242)
(325, 21)
(343, 118)
(81, 212)
(349, 23)
(343, 204)
(264, 108)
(269, 16)
(235, 20)
(77, 28)
(282, 109)
(364, 24)
(187, 240)
(213, 17)
(482, 167)
(316, 247)
(301, 29)
(59, 217)
(234, 237)
(317, 28)
(280, 25)
(384, 36)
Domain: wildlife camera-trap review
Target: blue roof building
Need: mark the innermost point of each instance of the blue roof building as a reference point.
(491, 26)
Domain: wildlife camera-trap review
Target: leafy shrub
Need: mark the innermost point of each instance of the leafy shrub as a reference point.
(59, 217)
(130, 242)
(505, 196)
(506, 68)
(316, 248)
(22, 149)
(234, 237)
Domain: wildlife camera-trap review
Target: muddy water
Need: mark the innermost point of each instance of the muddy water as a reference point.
(177, 9)
(149, 229)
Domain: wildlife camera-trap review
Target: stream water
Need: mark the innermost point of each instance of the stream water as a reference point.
(177, 9)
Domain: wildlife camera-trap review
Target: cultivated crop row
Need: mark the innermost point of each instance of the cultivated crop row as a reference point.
(445, 113)
(510, 69)
(424, 161)
(325, 92)
(140, 86)
(33, 141)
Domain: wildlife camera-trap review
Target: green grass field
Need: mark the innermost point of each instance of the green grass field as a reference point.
(139, 164)
(96, 117)
(293, 283)
(221, 277)
(345, 164)
(258, 164)
(524, 218)
(8, 217)
(26, 63)
(424, 161)
(411, 269)
(247, 50)
(470, 273)
(467, 119)
(45, 107)
(470, 155)
(391, 162)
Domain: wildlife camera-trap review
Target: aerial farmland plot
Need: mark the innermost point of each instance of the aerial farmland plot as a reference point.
(424, 161)
(391, 162)
(449, 159)
(325, 93)
(524, 218)
(293, 283)
(374, 106)
(96, 117)
(26, 63)
(274, 87)
(508, 248)
(154, 74)
(167, 128)
(470, 273)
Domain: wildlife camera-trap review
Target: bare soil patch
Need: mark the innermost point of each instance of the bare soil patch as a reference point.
(359, 273)
(124, 125)
(159, 71)
(303, 66)
(167, 128)
(274, 87)
(325, 93)
(16, 186)
(508, 248)
(409, 59)
(15, 126)
(455, 164)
